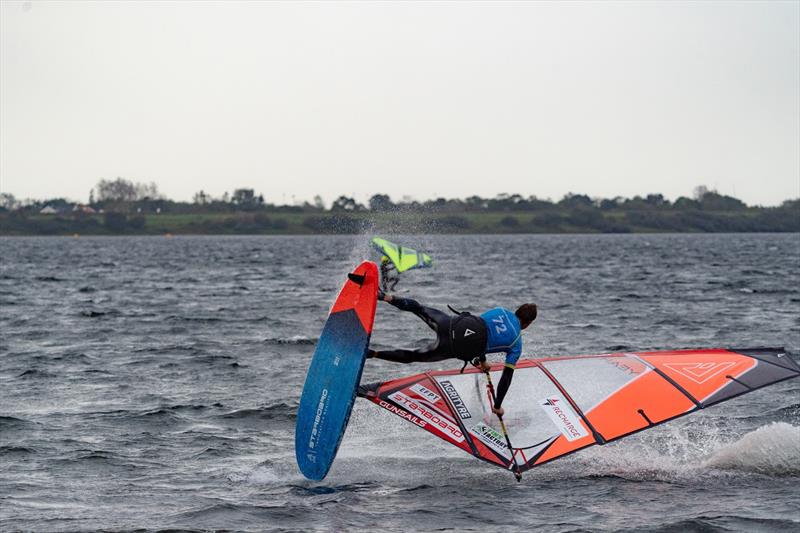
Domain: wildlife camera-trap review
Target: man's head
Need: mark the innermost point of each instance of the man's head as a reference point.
(526, 313)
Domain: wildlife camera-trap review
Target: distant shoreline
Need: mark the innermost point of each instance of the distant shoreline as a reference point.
(281, 222)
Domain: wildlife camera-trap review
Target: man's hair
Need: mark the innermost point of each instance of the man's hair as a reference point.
(526, 313)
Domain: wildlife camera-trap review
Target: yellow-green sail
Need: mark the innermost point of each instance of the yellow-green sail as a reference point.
(402, 257)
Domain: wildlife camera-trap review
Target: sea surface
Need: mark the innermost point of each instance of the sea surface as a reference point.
(152, 382)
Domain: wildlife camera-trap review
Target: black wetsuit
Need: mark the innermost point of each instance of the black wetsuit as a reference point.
(450, 341)
(450, 336)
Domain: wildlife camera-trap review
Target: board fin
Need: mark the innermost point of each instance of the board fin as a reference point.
(356, 278)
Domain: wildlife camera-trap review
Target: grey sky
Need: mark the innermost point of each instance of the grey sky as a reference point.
(421, 99)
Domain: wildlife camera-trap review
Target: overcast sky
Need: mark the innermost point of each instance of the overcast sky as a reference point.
(423, 99)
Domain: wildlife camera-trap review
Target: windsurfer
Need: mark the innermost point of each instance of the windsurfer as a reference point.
(466, 337)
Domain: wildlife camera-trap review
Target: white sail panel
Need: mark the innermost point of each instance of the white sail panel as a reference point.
(527, 423)
(592, 380)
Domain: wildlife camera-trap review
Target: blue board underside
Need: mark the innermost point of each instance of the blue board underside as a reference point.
(329, 392)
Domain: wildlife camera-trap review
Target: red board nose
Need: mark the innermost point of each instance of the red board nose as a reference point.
(361, 297)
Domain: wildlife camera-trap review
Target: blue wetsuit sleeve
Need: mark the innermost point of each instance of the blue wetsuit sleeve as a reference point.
(512, 356)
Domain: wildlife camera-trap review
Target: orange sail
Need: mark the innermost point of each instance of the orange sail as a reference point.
(559, 405)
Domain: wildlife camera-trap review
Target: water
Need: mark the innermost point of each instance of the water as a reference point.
(152, 383)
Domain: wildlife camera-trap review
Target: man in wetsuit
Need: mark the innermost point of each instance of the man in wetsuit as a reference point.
(466, 337)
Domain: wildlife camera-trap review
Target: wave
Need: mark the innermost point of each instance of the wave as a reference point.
(245, 516)
(721, 523)
(170, 411)
(225, 316)
(686, 452)
(213, 359)
(10, 422)
(773, 450)
(157, 416)
(223, 449)
(94, 314)
(190, 408)
(297, 340)
(277, 412)
(34, 373)
(16, 450)
(788, 412)
(169, 348)
(49, 279)
(617, 348)
(583, 325)
(180, 408)
(364, 486)
(178, 318)
(103, 459)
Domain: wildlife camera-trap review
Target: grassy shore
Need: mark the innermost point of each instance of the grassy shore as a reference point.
(285, 222)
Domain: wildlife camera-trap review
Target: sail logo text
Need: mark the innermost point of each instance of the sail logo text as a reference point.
(490, 437)
(425, 392)
(399, 412)
(562, 415)
(455, 398)
(625, 366)
(445, 426)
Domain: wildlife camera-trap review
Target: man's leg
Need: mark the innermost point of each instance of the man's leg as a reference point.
(435, 319)
(438, 321)
(430, 355)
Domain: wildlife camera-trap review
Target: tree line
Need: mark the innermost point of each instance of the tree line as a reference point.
(125, 206)
(122, 195)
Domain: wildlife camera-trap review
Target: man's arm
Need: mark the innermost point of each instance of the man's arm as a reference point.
(505, 380)
(502, 386)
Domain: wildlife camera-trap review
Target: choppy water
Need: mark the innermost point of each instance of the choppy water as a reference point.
(152, 383)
